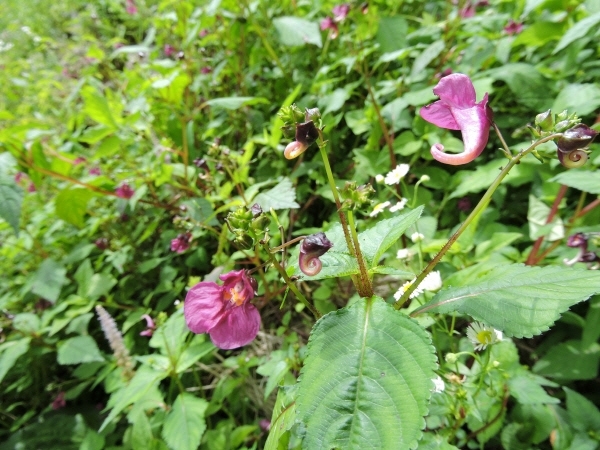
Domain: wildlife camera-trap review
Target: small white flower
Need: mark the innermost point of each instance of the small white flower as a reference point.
(397, 174)
(432, 282)
(404, 253)
(399, 205)
(26, 30)
(379, 207)
(481, 335)
(400, 292)
(379, 178)
(438, 385)
(417, 237)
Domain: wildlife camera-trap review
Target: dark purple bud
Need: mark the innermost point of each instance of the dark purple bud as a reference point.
(577, 240)
(168, 50)
(580, 136)
(588, 257)
(101, 243)
(307, 133)
(181, 243)
(265, 424)
(59, 401)
(311, 248)
(201, 163)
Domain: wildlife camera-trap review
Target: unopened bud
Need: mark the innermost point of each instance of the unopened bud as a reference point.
(545, 121)
(580, 136)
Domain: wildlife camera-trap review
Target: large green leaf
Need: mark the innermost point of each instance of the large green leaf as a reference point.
(281, 196)
(376, 240)
(284, 415)
(185, 424)
(11, 197)
(578, 31)
(71, 205)
(366, 379)
(521, 301)
(583, 361)
(581, 97)
(77, 350)
(9, 353)
(295, 31)
(49, 279)
(584, 180)
(97, 108)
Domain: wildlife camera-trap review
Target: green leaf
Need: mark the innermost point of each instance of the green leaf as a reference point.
(335, 264)
(578, 31)
(9, 353)
(11, 198)
(529, 86)
(71, 205)
(97, 108)
(234, 102)
(366, 379)
(583, 413)
(582, 361)
(391, 34)
(284, 416)
(184, 425)
(281, 196)
(584, 180)
(583, 98)
(77, 350)
(295, 31)
(430, 53)
(521, 301)
(537, 217)
(377, 239)
(527, 389)
(49, 279)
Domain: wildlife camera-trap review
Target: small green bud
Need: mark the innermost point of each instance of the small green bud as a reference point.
(354, 196)
(562, 116)
(562, 126)
(545, 121)
(451, 358)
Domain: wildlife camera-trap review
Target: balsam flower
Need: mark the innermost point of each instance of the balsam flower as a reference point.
(457, 110)
(224, 312)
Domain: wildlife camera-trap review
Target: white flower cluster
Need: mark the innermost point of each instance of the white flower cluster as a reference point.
(432, 282)
(397, 174)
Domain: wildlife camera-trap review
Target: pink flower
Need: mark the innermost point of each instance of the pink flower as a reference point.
(31, 187)
(329, 24)
(124, 191)
(150, 326)
(79, 160)
(59, 401)
(340, 12)
(456, 110)
(181, 243)
(205, 70)
(224, 312)
(513, 27)
(19, 176)
(130, 7)
(168, 50)
(95, 171)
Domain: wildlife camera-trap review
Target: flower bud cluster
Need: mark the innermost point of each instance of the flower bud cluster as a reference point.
(303, 126)
(355, 197)
(248, 225)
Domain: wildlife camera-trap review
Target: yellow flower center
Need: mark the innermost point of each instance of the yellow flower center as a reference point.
(236, 294)
(485, 337)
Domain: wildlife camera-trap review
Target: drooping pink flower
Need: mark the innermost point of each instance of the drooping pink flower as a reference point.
(19, 176)
(329, 24)
(130, 7)
(168, 50)
(340, 12)
(150, 326)
(457, 110)
(59, 401)
(124, 191)
(31, 187)
(181, 243)
(224, 311)
(513, 27)
(95, 171)
(205, 70)
(203, 33)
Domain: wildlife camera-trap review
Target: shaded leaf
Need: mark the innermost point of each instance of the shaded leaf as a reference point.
(97, 108)
(71, 205)
(521, 301)
(9, 353)
(49, 279)
(583, 361)
(184, 425)
(366, 379)
(284, 416)
(234, 102)
(537, 217)
(11, 198)
(577, 31)
(295, 31)
(584, 180)
(77, 350)
(583, 98)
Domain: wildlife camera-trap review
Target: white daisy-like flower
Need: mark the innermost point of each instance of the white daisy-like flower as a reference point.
(400, 292)
(432, 282)
(482, 335)
(438, 385)
(397, 174)
(379, 207)
(404, 253)
(399, 205)
(379, 178)
(417, 237)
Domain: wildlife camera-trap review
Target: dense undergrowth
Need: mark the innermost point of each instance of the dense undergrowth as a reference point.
(133, 132)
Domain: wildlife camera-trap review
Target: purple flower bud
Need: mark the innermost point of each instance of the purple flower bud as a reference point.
(311, 249)
(256, 210)
(95, 171)
(294, 149)
(168, 50)
(181, 243)
(150, 326)
(577, 240)
(513, 27)
(124, 191)
(329, 24)
(580, 136)
(101, 243)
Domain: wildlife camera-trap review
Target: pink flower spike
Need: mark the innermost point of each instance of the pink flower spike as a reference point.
(124, 191)
(224, 312)
(457, 110)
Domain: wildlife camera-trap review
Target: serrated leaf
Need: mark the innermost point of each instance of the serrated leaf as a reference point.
(11, 198)
(584, 180)
(284, 416)
(9, 353)
(49, 279)
(71, 205)
(77, 350)
(377, 239)
(526, 389)
(281, 196)
(366, 379)
(295, 31)
(521, 301)
(184, 425)
(578, 31)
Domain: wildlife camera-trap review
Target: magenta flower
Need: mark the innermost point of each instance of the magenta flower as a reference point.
(513, 27)
(124, 191)
(95, 171)
(79, 160)
(329, 24)
(150, 326)
(59, 401)
(130, 7)
(168, 50)
(456, 110)
(181, 243)
(224, 312)
(340, 12)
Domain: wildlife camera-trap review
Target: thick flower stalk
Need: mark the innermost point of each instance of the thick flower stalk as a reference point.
(224, 312)
(115, 340)
(457, 110)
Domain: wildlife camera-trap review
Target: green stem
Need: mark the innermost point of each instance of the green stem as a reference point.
(291, 284)
(365, 288)
(478, 209)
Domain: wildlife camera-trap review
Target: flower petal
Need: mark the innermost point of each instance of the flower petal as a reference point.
(439, 114)
(203, 307)
(456, 90)
(238, 327)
